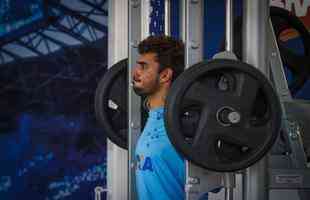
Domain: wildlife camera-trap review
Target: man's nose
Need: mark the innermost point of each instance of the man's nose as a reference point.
(136, 71)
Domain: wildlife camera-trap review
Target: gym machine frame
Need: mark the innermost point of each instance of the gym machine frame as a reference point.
(117, 158)
(258, 30)
(139, 11)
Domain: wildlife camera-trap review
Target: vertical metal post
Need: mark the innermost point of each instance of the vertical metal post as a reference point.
(192, 23)
(255, 19)
(193, 37)
(183, 20)
(134, 118)
(229, 183)
(167, 17)
(229, 20)
(229, 178)
(117, 158)
(138, 29)
(198, 180)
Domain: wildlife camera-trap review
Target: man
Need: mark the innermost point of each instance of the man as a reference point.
(160, 172)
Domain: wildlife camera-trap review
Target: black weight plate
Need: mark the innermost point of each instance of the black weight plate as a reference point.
(199, 98)
(111, 105)
(298, 64)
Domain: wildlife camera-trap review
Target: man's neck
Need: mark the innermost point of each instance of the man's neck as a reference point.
(156, 100)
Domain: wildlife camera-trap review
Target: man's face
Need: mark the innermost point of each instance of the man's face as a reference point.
(145, 75)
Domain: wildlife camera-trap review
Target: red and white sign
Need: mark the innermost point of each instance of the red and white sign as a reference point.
(300, 8)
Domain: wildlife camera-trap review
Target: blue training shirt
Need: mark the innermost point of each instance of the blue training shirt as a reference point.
(160, 170)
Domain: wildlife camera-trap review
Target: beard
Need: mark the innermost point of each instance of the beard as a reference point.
(147, 91)
(139, 91)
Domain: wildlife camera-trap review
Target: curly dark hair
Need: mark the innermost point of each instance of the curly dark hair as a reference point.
(169, 52)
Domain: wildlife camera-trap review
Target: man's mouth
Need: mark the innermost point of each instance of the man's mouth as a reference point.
(136, 80)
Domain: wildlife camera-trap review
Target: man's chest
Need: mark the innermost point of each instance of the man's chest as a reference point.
(150, 147)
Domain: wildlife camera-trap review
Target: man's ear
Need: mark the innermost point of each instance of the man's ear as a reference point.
(166, 75)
